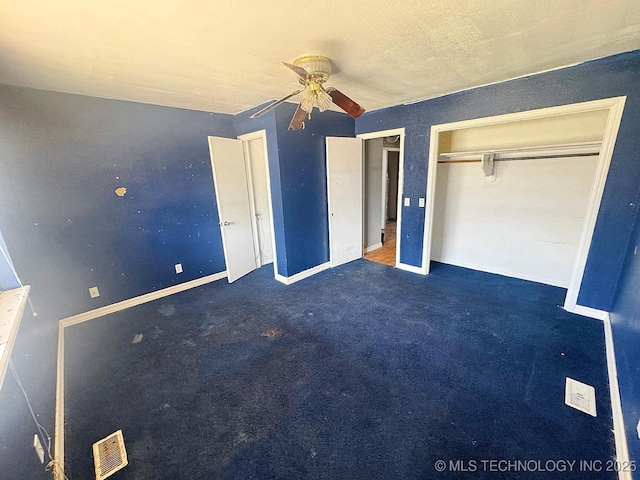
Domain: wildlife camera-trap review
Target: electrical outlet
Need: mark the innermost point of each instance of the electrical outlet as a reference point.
(178, 268)
(38, 447)
(407, 202)
(93, 292)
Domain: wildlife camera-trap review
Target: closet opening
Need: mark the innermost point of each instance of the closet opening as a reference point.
(519, 194)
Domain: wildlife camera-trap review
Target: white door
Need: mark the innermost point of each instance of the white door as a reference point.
(257, 165)
(344, 194)
(232, 196)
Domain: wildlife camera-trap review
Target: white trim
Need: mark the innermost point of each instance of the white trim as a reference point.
(622, 452)
(281, 278)
(58, 429)
(373, 247)
(497, 271)
(401, 133)
(381, 133)
(600, 178)
(615, 106)
(147, 297)
(302, 275)
(588, 312)
(410, 268)
(58, 432)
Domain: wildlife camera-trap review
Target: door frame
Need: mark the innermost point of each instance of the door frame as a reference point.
(391, 133)
(259, 134)
(615, 106)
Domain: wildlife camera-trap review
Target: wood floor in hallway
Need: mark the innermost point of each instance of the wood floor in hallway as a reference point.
(387, 253)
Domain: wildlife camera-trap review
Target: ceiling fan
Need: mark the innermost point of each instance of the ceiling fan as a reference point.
(313, 71)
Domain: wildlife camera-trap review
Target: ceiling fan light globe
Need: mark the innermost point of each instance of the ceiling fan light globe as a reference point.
(307, 101)
(323, 100)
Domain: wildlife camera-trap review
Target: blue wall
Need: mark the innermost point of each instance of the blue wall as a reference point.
(608, 77)
(625, 323)
(63, 157)
(8, 279)
(303, 180)
(297, 167)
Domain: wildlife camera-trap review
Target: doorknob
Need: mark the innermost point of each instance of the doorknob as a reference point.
(225, 224)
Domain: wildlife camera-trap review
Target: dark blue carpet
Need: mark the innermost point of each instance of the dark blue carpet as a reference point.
(360, 372)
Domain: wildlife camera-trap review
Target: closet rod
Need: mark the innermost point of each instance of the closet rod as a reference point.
(541, 157)
(585, 149)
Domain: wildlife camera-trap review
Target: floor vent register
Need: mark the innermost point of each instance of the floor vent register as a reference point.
(109, 455)
(580, 396)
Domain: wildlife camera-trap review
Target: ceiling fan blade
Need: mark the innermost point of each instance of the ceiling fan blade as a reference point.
(275, 104)
(297, 122)
(302, 73)
(345, 103)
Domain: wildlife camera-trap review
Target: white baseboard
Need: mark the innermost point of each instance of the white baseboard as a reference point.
(302, 275)
(371, 248)
(499, 271)
(58, 440)
(622, 452)
(410, 268)
(147, 297)
(59, 422)
(587, 311)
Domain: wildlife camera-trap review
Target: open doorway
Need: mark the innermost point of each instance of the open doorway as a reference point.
(242, 186)
(381, 193)
(259, 202)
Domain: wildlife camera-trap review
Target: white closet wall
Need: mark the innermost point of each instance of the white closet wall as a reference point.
(527, 223)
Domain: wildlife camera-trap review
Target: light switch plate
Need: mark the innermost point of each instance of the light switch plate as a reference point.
(407, 202)
(421, 202)
(178, 268)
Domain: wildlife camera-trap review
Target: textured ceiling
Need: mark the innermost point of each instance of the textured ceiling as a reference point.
(224, 55)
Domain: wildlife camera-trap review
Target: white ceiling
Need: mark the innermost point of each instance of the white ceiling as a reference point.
(224, 55)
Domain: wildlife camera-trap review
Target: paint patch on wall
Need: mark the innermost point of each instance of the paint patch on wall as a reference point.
(121, 191)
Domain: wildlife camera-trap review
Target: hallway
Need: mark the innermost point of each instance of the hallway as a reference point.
(387, 253)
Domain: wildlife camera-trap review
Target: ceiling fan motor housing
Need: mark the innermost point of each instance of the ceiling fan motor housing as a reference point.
(318, 66)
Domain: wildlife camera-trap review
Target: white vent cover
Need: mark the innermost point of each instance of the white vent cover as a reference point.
(580, 396)
(109, 455)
